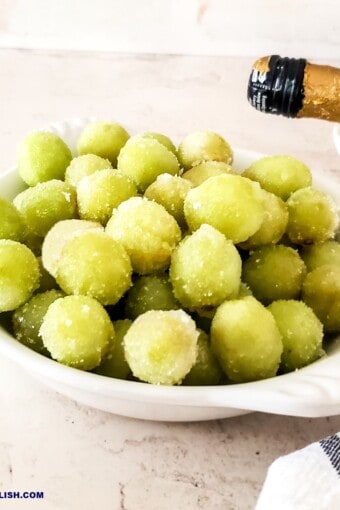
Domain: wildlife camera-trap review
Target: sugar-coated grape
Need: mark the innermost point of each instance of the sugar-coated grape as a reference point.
(19, 274)
(42, 156)
(273, 225)
(228, 202)
(77, 331)
(321, 291)
(11, 222)
(45, 204)
(203, 146)
(147, 231)
(301, 331)
(205, 269)
(281, 175)
(114, 364)
(58, 236)
(274, 272)
(93, 264)
(161, 346)
(84, 165)
(317, 255)
(203, 171)
(246, 340)
(313, 216)
(28, 318)
(206, 369)
(99, 193)
(150, 292)
(170, 191)
(163, 139)
(143, 159)
(105, 139)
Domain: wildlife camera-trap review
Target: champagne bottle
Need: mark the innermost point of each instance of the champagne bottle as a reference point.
(295, 88)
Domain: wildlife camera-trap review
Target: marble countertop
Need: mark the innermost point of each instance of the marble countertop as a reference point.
(82, 458)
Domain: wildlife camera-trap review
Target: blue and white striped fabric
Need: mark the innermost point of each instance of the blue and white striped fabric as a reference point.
(308, 479)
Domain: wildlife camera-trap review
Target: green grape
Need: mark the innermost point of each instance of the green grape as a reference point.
(205, 269)
(203, 146)
(28, 318)
(93, 264)
(161, 346)
(246, 340)
(274, 272)
(147, 231)
(200, 173)
(281, 175)
(228, 202)
(103, 139)
(164, 140)
(58, 236)
(42, 156)
(46, 204)
(47, 281)
(85, 165)
(11, 223)
(301, 331)
(313, 216)
(273, 225)
(99, 193)
(321, 291)
(115, 364)
(151, 292)
(317, 255)
(170, 191)
(143, 159)
(19, 274)
(206, 370)
(77, 331)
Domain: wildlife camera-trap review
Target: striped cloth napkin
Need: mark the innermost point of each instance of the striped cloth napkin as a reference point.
(308, 479)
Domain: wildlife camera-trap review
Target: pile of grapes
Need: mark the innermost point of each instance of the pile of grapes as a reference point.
(139, 260)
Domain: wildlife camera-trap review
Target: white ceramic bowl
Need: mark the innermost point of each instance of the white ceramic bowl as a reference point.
(313, 391)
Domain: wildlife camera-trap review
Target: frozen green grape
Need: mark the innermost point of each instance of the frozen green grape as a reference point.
(47, 281)
(84, 165)
(230, 203)
(42, 156)
(273, 225)
(170, 191)
(246, 340)
(203, 146)
(321, 291)
(151, 292)
(11, 223)
(28, 318)
(58, 236)
(313, 216)
(19, 274)
(301, 331)
(164, 140)
(147, 231)
(205, 269)
(46, 204)
(161, 346)
(281, 175)
(144, 159)
(114, 364)
(318, 255)
(103, 139)
(206, 370)
(200, 173)
(99, 193)
(77, 331)
(93, 264)
(274, 272)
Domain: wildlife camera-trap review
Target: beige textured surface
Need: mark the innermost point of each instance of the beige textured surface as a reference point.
(85, 459)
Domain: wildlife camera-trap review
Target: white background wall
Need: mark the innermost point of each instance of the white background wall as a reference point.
(302, 28)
